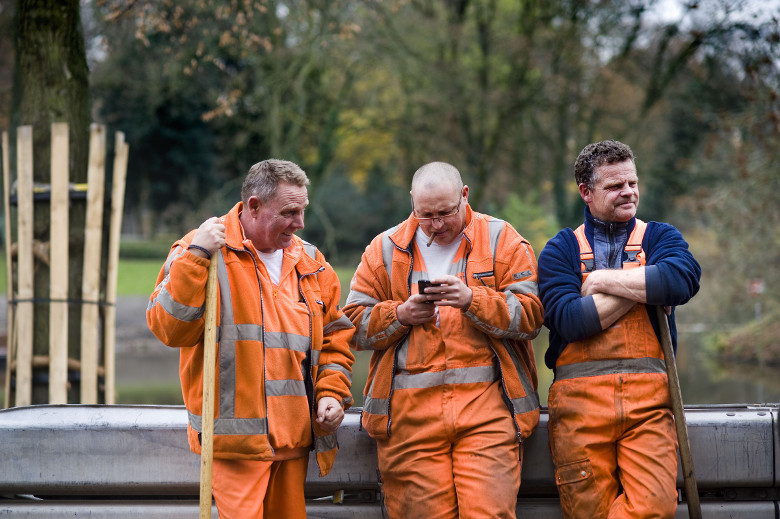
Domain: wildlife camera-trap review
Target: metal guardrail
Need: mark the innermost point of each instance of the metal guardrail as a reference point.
(133, 461)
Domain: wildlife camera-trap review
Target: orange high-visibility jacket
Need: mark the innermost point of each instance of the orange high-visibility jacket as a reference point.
(505, 314)
(274, 360)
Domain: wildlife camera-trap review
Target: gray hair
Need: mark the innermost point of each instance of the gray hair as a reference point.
(264, 177)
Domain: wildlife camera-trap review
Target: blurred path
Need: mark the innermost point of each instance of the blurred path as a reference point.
(140, 357)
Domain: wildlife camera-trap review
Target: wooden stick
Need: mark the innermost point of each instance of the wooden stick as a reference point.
(9, 293)
(209, 387)
(90, 291)
(58, 265)
(115, 229)
(24, 266)
(686, 459)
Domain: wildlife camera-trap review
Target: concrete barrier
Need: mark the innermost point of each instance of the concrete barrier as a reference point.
(133, 461)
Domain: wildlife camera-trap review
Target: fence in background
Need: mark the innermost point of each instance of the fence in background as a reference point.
(26, 254)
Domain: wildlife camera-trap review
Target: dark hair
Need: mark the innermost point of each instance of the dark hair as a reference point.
(597, 154)
(264, 177)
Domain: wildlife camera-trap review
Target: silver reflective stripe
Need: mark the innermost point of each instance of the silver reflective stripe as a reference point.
(249, 426)
(360, 299)
(175, 254)
(286, 387)
(287, 341)
(239, 332)
(376, 406)
(176, 310)
(387, 252)
(339, 368)
(428, 379)
(342, 323)
(227, 344)
(524, 287)
(417, 276)
(610, 367)
(403, 351)
(515, 311)
(531, 399)
(526, 404)
(495, 228)
(325, 443)
(310, 249)
(362, 341)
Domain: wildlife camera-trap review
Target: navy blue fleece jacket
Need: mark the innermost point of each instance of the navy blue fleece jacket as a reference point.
(672, 277)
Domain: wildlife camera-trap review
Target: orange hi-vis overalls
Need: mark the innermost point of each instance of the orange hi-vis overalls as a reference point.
(611, 428)
(450, 403)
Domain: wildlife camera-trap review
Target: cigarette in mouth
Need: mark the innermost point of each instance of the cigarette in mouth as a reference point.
(430, 240)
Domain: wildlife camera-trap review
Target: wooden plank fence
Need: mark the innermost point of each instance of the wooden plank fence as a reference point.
(98, 315)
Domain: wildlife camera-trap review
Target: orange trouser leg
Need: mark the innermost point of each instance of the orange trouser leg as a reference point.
(614, 446)
(252, 489)
(452, 453)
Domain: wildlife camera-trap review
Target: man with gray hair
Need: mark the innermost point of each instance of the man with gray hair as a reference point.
(284, 365)
(447, 301)
(611, 427)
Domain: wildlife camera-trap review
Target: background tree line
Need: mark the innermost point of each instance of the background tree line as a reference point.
(361, 93)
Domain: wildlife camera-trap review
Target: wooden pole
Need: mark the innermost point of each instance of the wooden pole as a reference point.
(686, 459)
(209, 388)
(58, 265)
(9, 292)
(90, 292)
(25, 268)
(109, 317)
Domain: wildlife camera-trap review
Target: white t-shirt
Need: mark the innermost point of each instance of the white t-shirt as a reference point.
(273, 263)
(437, 258)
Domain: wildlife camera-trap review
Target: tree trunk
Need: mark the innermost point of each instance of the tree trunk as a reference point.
(51, 84)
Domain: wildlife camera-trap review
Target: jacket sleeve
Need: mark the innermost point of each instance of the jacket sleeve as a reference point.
(334, 374)
(370, 304)
(672, 275)
(175, 310)
(513, 309)
(567, 313)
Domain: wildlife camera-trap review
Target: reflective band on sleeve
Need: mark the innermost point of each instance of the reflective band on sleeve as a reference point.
(610, 367)
(325, 443)
(342, 323)
(448, 376)
(176, 310)
(336, 367)
(360, 299)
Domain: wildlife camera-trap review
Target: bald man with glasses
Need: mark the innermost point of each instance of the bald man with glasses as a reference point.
(451, 392)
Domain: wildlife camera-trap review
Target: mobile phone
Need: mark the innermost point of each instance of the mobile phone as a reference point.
(422, 284)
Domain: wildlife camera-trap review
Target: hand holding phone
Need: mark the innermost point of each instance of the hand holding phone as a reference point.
(422, 285)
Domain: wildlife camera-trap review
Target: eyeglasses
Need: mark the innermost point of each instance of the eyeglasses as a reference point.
(440, 217)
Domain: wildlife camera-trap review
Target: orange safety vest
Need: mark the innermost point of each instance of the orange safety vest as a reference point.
(630, 344)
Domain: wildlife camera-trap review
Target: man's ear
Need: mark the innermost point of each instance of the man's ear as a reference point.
(254, 205)
(585, 193)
